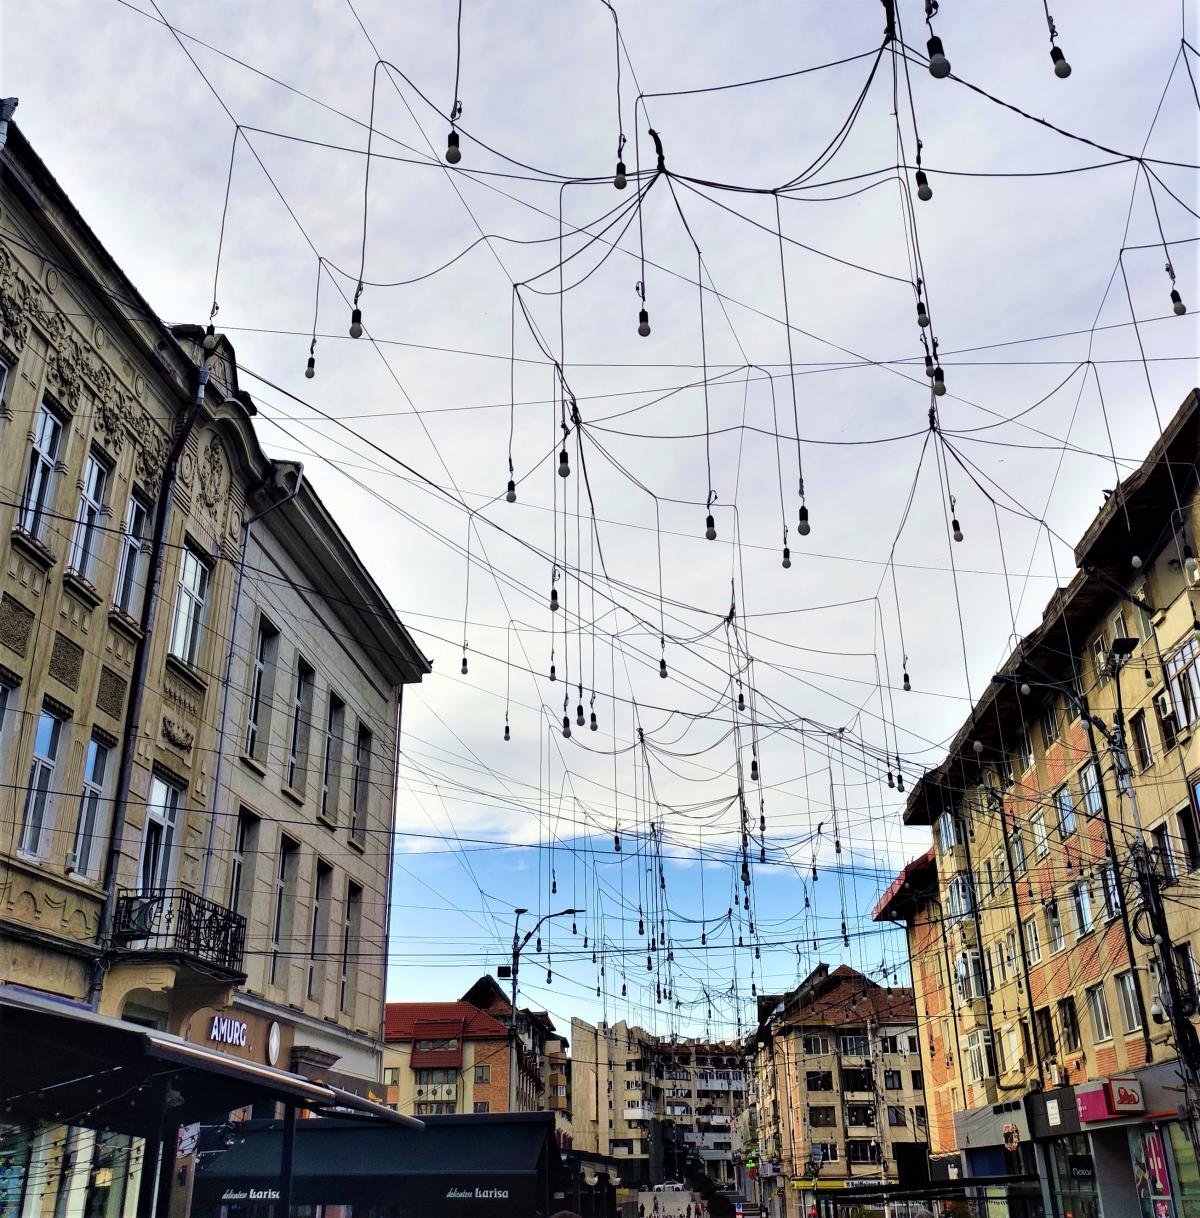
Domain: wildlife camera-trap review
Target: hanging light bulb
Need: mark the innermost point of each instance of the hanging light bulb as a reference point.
(453, 152)
(929, 365)
(1190, 568)
(619, 176)
(924, 190)
(939, 65)
(762, 854)
(553, 886)
(703, 938)
(549, 977)
(899, 782)
(802, 525)
(907, 683)
(624, 991)
(641, 925)
(579, 719)
(710, 527)
(511, 493)
(753, 769)
(958, 533)
(977, 745)
(787, 558)
(617, 843)
(464, 664)
(564, 466)
(649, 965)
(662, 668)
(310, 369)
(507, 733)
(553, 600)
(356, 327)
(553, 673)
(1062, 69)
(1148, 677)
(539, 943)
(593, 725)
(741, 701)
(567, 726)
(1026, 689)
(891, 780)
(922, 315)
(939, 381)
(210, 338)
(1177, 303)
(643, 323)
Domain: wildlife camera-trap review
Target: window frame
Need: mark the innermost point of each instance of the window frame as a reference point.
(82, 554)
(1033, 941)
(1066, 822)
(1041, 835)
(256, 741)
(1090, 793)
(1098, 1016)
(1139, 734)
(135, 553)
(331, 757)
(351, 936)
(364, 744)
(191, 605)
(41, 471)
(1056, 938)
(36, 834)
(288, 859)
(299, 726)
(163, 803)
(1127, 999)
(1085, 915)
(92, 827)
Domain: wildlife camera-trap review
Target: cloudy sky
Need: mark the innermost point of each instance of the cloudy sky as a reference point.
(1019, 245)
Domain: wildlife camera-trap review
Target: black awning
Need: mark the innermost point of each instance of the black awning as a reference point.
(62, 1062)
(497, 1164)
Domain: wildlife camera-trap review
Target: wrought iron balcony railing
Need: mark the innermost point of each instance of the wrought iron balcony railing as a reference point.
(176, 920)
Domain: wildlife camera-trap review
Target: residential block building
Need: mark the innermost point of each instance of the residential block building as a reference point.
(838, 1090)
(200, 689)
(1050, 929)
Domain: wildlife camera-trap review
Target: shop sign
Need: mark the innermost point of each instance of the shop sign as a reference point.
(478, 1194)
(273, 1036)
(1125, 1095)
(1081, 1167)
(1110, 1097)
(1053, 1113)
(227, 1031)
(250, 1194)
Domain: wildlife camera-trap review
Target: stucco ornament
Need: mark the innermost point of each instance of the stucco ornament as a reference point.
(213, 476)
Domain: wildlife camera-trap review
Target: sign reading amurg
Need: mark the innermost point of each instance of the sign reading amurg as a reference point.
(227, 1031)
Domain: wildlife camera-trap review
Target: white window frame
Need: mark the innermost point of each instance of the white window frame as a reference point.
(266, 646)
(93, 811)
(191, 606)
(1139, 735)
(1033, 941)
(37, 828)
(1112, 894)
(1089, 788)
(981, 1057)
(1066, 821)
(331, 757)
(1041, 837)
(1097, 1005)
(1017, 856)
(1056, 938)
(301, 725)
(364, 743)
(814, 1045)
(36, 499)
(1131, 1020)
(322, 882)
(159, 857)
(287, 858)
(351, 934)
(131, 575)
(87, 519)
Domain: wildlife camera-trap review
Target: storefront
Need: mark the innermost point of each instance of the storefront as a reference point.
(503, 1165)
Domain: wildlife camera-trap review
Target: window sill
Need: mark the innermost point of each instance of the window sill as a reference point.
(253, 764)
(330, 822)
(82, 589)
(120, 621)
(292, 793)
(36, 551)
(182, 669)
(358, 841)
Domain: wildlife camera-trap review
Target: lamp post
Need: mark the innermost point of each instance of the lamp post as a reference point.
(518, 946)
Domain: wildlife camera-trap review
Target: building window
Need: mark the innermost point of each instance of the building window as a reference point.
(331, 763)
(449, 1044)
(1139, 733)
(1089, 786)
(1164, 712)
(93, 817)
(362, 781)
(895, 1115)
(860, 1114)
(1085, 918)
(483, 1075)
(918, 1080)
(262, 691)
(318, 928)
(1166, 854)
(436, 1109)
(351, 937)
(281, 914)
(1016, 846)
(855, 1046)
(1041, 842)
(950, 831)
(1068, 1023)
(1183, 682)
(890, 1044)
(818, 1080)
(1044, 1023)
(39, 478)
(1186, 819)
(1131, 1017)
(1098, 1013)
(1055, 939)
(1033, 942)
(1064, 809)
(827, 1151)
(815, 1046)
(157, 868)
(35, 837)
(892, 1081)
(1185, 970)
(823, 1117)
(1100, 658)
(1050, 724)
(960, 898)
(860, 1150)
(131, 576)
(1112, 894)
(391, 1076)
(981, 1058)
(3, 380)
(87, 520)
(989, 880)
(297, 762)
(968, 976)
(244, 841)
(858, 1079)
(481, 1106)
(1026, 752)
(190, 607)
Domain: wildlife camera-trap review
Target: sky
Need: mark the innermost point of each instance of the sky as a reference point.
(407, 432)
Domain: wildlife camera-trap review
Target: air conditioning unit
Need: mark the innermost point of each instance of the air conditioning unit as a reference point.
(1164, 705)
(1055, 1074)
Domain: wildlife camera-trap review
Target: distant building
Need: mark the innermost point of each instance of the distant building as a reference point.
(838, 1089)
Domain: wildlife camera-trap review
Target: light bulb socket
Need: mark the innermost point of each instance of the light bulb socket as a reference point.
(710, 527)
(978, 747)
(802, 525)
(553, 600)
(939, 65)
(644, 323)
(907, 682)
(619, 176)
(922, 315)
(929, 365)
(553, 673)
(310, 369)
(567, 726)
(564, 465)
(787, 558)
(939, 381)
(507, 734)
(593, 724)
(1062, 69)
(924, 190)
(464, 666)
(662, 668)
(1177, 303)
(958, 533)
(511, 493)
(453, 152)
(579, 715)
(356, 327)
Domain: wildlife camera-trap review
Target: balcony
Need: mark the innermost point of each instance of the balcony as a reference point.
(176, 922)
(639, 1112)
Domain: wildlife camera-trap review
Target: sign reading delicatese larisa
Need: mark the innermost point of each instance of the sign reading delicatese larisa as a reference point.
(478, 1194)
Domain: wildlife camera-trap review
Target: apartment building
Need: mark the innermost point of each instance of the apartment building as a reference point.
(158, 865)
(658, 1103)
(838, 1089)
(1060, 993)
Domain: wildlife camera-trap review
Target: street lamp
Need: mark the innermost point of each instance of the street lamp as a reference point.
(518, 946)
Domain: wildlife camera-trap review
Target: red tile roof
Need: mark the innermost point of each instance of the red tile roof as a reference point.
(440, 1021)
(845, 996)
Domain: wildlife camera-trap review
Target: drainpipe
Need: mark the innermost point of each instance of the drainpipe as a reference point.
(278, 471)
(137, 679)
(387, 913)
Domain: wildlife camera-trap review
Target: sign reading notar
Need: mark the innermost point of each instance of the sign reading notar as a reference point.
(477, 1194)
